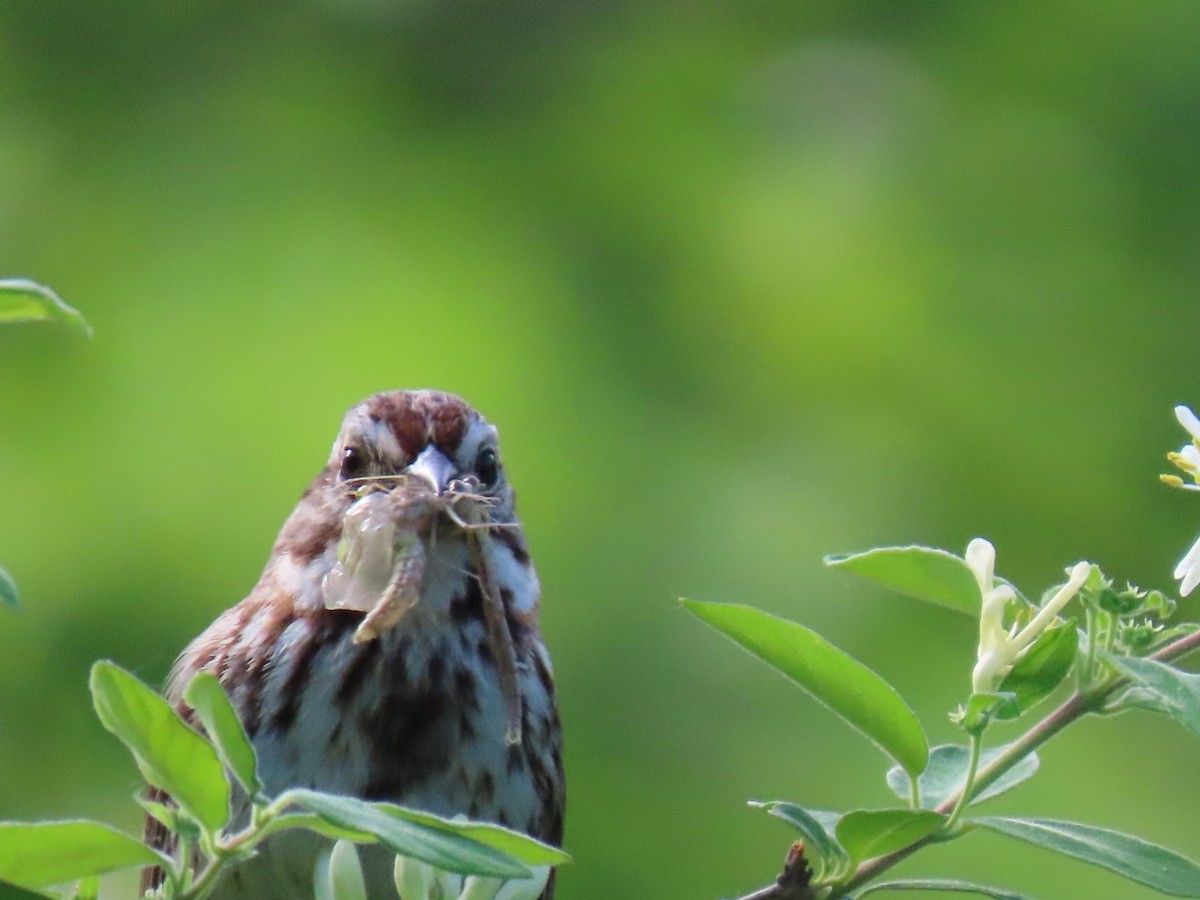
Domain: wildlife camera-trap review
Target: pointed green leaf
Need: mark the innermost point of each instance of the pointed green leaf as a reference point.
(8, 590)
(832, 676)
(819, 844)
(1163, 688)
(167, 816)
(22, 300)
(943, 778)
(934, 576)
(170, 755)
(1138, 860)
(866, 833)
(205, 695)
(952, 885)
(40, 854)
(441, 849)
(1042, 668)
(528, 850)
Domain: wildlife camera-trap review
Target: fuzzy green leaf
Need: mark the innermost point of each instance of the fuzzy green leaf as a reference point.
(1163, 688)
(528, 850)
(947, 771)
(40, 854)
(818, 842)
(1138, 860)
(169, 754)
(934, 576)
(953, 885)
(205, 695)
(832, 676)
(8, 590)
(1042, 668)
(22, 300)
(441, 849)
(311, 822)
(866, 833)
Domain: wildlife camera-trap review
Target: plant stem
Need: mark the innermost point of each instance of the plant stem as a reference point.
(968, 789)
(1089, 661)
(1176, 649)
(260, 817)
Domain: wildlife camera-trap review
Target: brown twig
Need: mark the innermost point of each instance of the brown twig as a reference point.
(793, 883)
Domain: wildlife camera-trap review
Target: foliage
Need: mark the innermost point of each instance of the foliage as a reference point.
(202, 771)
(22, 300)
(1122, 657)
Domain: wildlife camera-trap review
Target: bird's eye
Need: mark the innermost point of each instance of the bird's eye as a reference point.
(487, 466)
(354, 462)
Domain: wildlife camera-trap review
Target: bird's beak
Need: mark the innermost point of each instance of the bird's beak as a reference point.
(432, 467)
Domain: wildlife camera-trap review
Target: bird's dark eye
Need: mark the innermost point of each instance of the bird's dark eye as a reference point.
(354, 462)
(487, 466)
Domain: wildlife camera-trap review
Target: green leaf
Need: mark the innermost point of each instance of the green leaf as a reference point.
(40, 854)
(167, 816)
(820, 845)
(832, 676)
(528, 850)
(1163, 688)
(205, 695)
(441, 849)
(1138, 860)
(867, 833)
(943, 884)
(1042, 668)
(943, 778)
(22, 300)
(934, 576)
(9, 891)
(310, 822)
(170, 755)
(8, 590)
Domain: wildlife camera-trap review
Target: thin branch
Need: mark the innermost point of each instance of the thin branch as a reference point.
(793, 883)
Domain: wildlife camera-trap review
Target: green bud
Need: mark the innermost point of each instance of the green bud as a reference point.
(1118, 603)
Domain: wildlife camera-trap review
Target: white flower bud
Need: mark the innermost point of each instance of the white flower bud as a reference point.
(338, 875)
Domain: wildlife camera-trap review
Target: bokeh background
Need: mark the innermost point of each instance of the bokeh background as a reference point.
(742, 284)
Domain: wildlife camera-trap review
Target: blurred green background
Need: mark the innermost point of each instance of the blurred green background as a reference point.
(742, 284)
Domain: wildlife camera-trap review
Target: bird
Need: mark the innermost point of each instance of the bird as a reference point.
(428, 683)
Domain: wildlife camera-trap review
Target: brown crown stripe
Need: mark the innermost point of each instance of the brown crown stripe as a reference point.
(418, 418)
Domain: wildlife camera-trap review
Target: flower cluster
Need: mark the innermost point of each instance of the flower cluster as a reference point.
(1187, 460)
(1000, 649)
